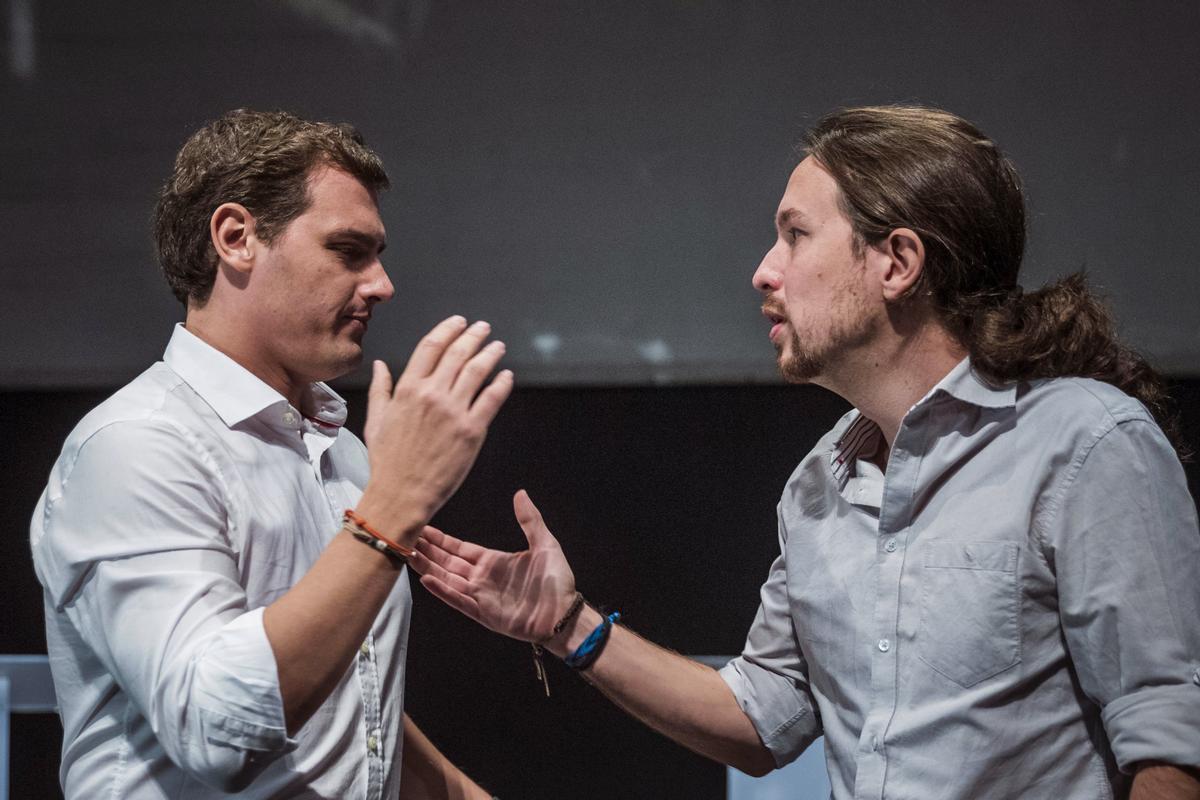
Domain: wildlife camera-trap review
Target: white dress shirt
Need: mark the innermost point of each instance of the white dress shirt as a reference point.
(178, 509)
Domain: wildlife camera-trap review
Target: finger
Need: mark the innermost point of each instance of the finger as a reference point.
(466, 345)
(475, 371)
(442, 558)
(456, 600)
(428, 352)
(455, 582)
(531, 521)
(381, 386)
(419, 562)
(488, 403)
(464, 550)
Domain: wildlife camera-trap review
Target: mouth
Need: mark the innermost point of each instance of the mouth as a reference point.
(777, 319)
(357, 322)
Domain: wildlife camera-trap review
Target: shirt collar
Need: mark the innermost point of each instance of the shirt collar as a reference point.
(234, 392)
(964, 383)
(862, 436)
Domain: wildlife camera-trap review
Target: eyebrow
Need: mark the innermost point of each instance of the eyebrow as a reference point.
(363, 238)
(789, 215)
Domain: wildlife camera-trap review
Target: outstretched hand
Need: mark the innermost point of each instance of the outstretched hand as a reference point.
(519, 594)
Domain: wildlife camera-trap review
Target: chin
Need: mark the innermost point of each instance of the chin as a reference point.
(341, 363)
(799, 373)
(798, 365)
(351, 362)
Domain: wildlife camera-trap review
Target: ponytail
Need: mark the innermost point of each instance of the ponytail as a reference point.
(1062, 329)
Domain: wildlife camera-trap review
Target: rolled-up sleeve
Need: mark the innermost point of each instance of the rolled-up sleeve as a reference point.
(1122, 539)
(770, 677)
(135, 552)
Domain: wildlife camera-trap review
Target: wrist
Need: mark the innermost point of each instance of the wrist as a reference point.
(572, 635)
(394, 518)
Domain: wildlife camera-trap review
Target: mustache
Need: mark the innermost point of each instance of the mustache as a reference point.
(774, 308)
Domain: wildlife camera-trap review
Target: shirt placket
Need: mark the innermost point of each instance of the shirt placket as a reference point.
(883, 642)
(366, 665)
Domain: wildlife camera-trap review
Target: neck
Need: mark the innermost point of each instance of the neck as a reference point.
(886, 379)
(225, 335)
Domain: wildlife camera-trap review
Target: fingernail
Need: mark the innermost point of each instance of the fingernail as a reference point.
(497, 345)
(480, 327)
(458, 319)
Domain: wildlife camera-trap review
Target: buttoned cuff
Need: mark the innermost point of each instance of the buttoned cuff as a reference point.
(237, 690)
(1159, 723)
(781, 711)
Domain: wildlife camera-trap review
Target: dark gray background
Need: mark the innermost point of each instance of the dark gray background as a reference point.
(602, 172)
(597, 179)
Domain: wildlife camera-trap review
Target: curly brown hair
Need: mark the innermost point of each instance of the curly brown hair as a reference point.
(260, 159)
(937, 174)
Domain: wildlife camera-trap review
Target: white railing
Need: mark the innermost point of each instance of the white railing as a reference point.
(25, 688)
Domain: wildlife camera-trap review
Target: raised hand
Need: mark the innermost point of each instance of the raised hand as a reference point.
(520, 594)
(424, 433)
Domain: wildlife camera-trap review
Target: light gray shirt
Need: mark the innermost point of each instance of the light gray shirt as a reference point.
(1011, 610)
(179, 509)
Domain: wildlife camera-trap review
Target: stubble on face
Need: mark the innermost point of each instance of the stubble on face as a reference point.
(850, 325)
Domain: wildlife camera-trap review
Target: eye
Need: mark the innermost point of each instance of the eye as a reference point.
(793, 234)
(348, 252)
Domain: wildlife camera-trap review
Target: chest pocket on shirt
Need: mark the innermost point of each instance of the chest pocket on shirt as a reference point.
(970, 609)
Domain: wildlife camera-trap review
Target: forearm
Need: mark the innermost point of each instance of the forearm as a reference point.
(422, 433)
(680, 698)
(1165, 782)
(319, 624)
(426, 774)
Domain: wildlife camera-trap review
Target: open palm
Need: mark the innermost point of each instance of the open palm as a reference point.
(519, 594)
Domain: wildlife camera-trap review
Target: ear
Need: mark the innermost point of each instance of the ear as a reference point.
(231, 230)
(902, 256)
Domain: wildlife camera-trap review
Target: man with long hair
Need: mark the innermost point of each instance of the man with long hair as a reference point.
(987, 579)
(223, 564)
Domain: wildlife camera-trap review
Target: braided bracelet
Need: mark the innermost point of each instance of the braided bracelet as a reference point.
(540, 668)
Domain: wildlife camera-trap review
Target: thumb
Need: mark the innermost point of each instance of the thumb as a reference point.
(536, 532)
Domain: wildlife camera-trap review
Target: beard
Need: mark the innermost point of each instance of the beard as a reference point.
(805, 360)
(800, 365)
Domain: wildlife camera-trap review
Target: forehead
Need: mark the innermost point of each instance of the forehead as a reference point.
(339, 200)
(811, 192)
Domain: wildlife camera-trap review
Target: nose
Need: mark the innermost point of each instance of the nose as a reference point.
(378, 287)
(768, 278)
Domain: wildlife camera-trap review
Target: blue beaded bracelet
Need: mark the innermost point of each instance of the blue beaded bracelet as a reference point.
(589, 651)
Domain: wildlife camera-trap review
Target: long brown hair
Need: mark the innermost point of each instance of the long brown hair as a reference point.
(939, 175)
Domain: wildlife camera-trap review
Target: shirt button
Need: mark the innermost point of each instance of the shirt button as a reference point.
(289, 417)
(890, 546)
(875, 743)
(365, 649)
(372, 743)
(1196, 677)
(884, 645)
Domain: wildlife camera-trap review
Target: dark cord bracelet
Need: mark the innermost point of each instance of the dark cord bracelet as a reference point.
(540, 668)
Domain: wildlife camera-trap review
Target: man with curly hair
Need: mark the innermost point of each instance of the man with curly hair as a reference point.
(226, 601)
